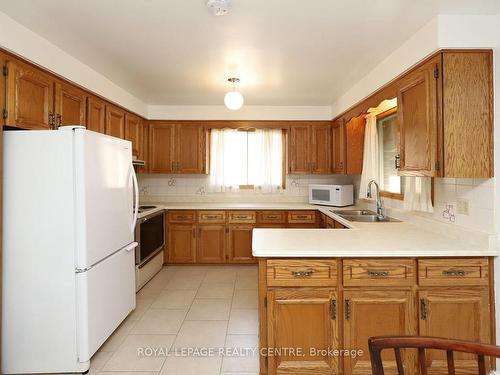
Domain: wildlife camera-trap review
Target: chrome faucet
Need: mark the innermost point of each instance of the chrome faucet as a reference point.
(380, 214)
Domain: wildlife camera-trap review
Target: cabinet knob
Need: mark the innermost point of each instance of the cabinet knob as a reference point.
(375, 273)
(423, 309)
(333, 311)
(306, 273)
(454, 273)
(347, 309)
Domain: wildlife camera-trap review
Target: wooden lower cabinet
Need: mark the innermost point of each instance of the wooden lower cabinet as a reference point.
(454, 313)
(239, 244)
(376, 313)
(211, 247)
(344, 317)
(181, 243)
(306, 319)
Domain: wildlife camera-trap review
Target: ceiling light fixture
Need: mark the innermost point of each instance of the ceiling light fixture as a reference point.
(218, 7)
(233, 99)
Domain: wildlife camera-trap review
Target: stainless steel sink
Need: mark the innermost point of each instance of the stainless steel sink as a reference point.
(353, 212)
(370, 219)
(365, 216)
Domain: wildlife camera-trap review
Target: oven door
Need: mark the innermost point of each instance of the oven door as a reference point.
(150, 234)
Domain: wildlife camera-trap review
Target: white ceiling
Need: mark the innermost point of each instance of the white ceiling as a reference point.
(286, 52)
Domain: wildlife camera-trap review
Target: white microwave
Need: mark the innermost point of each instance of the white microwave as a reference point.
(331, 195)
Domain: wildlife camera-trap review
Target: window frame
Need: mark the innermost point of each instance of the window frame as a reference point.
(381, 116)
(283, 158)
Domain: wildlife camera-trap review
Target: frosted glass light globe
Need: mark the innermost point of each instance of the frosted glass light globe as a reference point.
(233, 100)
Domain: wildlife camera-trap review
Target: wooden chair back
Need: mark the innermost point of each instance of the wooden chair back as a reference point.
(377, 344)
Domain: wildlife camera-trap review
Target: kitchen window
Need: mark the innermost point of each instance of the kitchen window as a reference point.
(246, 159)
(391, 185)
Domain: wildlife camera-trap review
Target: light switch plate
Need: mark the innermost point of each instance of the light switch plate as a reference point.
(462, 206)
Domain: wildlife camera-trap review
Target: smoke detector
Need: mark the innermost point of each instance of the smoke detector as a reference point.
(218, 7)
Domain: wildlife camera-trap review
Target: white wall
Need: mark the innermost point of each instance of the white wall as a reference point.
(20, 40)
(247, 112)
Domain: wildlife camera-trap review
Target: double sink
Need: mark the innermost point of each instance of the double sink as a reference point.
(365, 216)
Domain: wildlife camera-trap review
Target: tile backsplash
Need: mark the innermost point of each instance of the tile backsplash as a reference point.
(453, 197)
(175, 188)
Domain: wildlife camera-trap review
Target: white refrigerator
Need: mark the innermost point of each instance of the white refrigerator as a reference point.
(68, 247)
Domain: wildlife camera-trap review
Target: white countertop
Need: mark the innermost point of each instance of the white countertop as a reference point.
(389, 239)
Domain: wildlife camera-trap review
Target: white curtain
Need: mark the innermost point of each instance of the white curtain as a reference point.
(370, 156)
(224, 171)
(246, 158)
(266, 160)
(418, 191)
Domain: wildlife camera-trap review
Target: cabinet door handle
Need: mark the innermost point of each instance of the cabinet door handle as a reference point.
(423, 309)
(302, 217)
(51, 120)
(347, 309)
(375, 273)
(306, 273)
(241, 217)
(172, 166)
(211, 216)
(397, 161)
(272, 216)
(59, 120)
(454, 273)
(333, 309)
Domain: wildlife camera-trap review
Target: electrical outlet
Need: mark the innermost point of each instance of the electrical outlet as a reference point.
(462, 206)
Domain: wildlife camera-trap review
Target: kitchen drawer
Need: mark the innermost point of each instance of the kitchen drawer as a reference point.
(181, 216)
(246, 217)
(282, 272)
(302, 217)
(470, 271)
(378, 272)
(211, 217)
(271, 217)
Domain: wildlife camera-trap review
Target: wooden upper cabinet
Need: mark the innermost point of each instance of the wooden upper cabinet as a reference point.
(70, 102)
(134, 132)
(115, 121)
(298, 149)
(144, 150)
(338, 142)
(321, 149)
(468, 114)
(307, 319)
(30, 97)
(96, 114)
(3, 62)
(161, 147)
(458, 314)
(376, 313)
(355, 141)
(417, 117)
(190, 148)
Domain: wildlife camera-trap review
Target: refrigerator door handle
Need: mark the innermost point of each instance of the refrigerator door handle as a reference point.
(131, 247)
(136, 194)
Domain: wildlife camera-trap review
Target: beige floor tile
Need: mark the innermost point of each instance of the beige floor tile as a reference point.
(224, 291)
(192, 366)
(197, 334)
(248, 360)
(129, 373)
(245, 299)
(248, 271)
(98, 361)
(185, 282)
(174, 299)
(141, 306)
(209, 309)
(114, 341)
(243, 322)
(218, 276)
(127, 357)
(160, 321)
(183, 271)
(160, 280)
(150, 290)
(247, 283)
